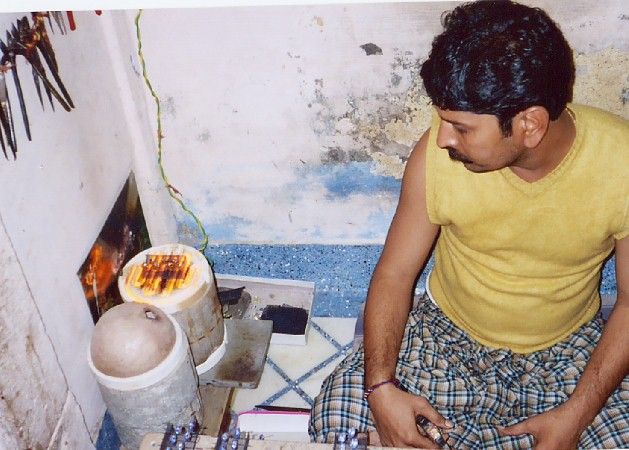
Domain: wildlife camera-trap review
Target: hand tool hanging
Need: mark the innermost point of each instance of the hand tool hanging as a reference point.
(58, 16)
(37, 37)
(6, 119)
(30, 42)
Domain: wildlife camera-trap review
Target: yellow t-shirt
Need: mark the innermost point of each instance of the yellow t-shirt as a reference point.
(518, 264)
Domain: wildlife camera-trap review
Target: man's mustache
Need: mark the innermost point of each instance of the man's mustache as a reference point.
(456, 156)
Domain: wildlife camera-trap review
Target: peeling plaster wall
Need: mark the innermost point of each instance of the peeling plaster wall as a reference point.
(295, 122)
(278, 133)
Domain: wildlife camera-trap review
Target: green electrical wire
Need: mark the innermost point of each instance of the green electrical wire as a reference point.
(172, 191)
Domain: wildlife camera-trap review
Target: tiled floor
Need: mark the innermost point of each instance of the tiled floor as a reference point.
(293, 374)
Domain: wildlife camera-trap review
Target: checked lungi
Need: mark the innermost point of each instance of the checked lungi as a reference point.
(475, 387)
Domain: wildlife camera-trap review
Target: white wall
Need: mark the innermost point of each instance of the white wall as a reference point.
(281, 129)
(53, 202)
(31, 376)
(246, 128)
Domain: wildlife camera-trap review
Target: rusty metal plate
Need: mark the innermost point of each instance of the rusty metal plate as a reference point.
(245, 355)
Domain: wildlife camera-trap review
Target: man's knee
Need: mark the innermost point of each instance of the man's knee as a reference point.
(340, 404)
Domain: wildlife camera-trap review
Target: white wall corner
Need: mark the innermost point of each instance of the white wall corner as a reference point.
(139, 114)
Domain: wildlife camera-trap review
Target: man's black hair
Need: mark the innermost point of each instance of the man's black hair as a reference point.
(499, 57)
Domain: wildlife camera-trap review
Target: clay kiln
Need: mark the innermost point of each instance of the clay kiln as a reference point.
(178, 279)
(144, 369)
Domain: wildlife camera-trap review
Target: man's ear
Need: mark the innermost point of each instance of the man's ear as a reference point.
(531, 125)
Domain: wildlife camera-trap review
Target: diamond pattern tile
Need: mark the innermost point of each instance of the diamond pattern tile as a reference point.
(312, 385)
(340, 329)
(293, 375)
(270, 383)
(297, 360)
(291, 399)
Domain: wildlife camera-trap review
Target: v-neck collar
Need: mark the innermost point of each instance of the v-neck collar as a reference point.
(538, 186)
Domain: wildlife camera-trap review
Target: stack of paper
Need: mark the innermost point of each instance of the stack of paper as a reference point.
(275, 425)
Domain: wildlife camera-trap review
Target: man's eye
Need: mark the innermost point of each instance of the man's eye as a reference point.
(461, 130)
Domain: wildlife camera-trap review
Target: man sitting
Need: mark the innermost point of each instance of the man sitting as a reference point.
(524, 197)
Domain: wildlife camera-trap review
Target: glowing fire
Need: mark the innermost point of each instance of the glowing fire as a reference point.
(101, 271)
(160, 274)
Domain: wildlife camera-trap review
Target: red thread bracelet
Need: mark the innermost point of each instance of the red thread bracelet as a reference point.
(369, 391)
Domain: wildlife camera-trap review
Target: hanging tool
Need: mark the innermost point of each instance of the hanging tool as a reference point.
(38, 88)
(45, 48)
(43, 14)
(2, 121)
(43, 41)
(37, 17)
(33, 43)
(44, 45)
(8, 57)
(47, 15)
(4, 149)
(71, 20)
(6, 118)
(39, 74)
(58, 16)
(26, 41)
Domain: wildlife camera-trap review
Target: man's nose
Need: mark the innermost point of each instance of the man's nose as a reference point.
(446, 136)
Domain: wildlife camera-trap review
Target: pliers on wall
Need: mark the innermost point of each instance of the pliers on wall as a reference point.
(27, 41)
(6, 119)
(8, 60)
(58, 16)
(31, 43)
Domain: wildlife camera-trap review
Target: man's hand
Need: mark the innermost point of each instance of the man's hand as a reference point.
(561, 427)
(394, 412)
(556, 429)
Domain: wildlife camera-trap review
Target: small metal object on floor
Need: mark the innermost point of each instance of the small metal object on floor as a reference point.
(350, 440)
(243, 362)
(152, 441)
(234, 302)
(234, 441)
(181, 437)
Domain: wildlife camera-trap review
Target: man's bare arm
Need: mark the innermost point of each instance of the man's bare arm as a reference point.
(609, 363)
(406, 249)
(561, 427)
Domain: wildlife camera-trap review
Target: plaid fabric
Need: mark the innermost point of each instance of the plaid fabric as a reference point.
(475, 387)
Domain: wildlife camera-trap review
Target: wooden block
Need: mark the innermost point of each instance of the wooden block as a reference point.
(214, 401)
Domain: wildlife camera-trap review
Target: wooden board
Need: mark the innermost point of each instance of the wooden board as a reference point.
(215, 402)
